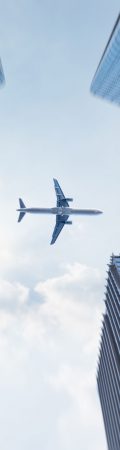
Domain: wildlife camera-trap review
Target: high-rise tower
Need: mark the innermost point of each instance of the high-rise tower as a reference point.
(108, 375)
(106, 81)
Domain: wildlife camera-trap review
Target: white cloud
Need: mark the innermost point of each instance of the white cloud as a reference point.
(12, 294)
(51, 345)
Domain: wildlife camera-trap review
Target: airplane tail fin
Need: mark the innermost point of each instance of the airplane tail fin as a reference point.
(22, 213)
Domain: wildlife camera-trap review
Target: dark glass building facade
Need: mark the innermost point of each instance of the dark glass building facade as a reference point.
(108, 374)
(2, 78)
(106, 81)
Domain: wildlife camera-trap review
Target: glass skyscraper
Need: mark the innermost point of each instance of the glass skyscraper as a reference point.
(106, 81)
(108, 374)
(2, 78)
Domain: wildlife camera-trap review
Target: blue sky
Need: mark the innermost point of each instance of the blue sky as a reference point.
(51, 299)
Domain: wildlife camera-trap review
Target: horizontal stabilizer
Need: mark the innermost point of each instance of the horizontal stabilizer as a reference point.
(23, 208)
(22, 205)
(21, 215)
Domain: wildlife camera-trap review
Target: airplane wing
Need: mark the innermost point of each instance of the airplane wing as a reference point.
(60, 222)
(61, 200)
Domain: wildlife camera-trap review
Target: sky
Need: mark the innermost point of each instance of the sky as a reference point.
(51, 298)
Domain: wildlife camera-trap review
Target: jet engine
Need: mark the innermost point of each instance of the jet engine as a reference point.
(67, 199)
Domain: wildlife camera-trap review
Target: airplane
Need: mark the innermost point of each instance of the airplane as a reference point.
(62, 211)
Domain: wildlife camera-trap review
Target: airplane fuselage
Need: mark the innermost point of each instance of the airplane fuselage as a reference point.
(60, 211)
